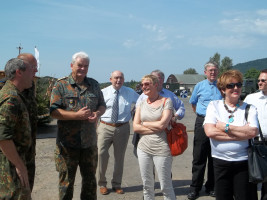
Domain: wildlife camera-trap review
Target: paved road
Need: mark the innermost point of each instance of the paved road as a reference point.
(46, 176)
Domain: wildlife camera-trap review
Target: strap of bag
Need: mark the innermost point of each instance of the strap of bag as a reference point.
(164, 101)
(246, 117)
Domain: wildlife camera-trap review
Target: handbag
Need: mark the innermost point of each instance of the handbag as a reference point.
(177, 138)
(257, 158)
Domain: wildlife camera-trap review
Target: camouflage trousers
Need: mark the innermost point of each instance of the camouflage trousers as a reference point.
(10, 186)
(30, 164)
(67, 160)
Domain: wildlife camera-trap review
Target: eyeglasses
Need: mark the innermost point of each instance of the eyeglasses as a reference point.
(232, 85)
(144, 84)
(212, 70)
(262, 80)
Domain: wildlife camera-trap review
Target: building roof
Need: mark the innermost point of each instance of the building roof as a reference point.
(185, 78)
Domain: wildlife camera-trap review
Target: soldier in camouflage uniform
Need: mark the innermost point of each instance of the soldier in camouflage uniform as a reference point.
(15, 131)
(77, 102)
(30, 102)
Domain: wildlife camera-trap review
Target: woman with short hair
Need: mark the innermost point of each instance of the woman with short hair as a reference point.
(229, 131)
(151, 118)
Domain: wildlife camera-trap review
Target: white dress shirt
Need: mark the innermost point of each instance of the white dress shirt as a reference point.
(127, 97)
(259, 100)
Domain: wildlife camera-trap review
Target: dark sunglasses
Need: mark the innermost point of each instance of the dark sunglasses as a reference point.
(262, 80)
(144, 84)
(232, 85)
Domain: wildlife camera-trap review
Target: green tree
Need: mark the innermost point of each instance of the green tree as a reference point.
(226, 64)
(252, 73)
(190, 71)
(216, 58)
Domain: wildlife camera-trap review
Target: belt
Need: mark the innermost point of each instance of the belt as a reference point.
(113, 124)
(203, 116)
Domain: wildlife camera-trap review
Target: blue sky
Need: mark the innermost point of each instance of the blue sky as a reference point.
(134, 36)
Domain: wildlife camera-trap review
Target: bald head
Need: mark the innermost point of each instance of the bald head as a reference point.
(117, 79)
(29, 60)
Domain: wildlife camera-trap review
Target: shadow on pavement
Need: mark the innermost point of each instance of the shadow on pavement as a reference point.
(46, 131)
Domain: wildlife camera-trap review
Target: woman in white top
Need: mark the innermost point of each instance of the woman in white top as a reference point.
(151, 118)
(229, 131)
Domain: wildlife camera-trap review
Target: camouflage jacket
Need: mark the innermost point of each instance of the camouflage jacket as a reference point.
(14, 119)
(67, 95)
(31, 104)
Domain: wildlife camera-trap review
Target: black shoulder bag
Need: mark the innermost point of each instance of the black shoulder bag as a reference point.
(257, 157)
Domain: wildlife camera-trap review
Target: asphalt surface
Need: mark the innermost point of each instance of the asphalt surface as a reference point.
(47, 178)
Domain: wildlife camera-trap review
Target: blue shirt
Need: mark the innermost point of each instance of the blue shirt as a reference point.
(203, 93)
(177, 103)
(127, 97)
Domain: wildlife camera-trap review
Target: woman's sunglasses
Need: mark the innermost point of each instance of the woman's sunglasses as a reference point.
(232, 85)
(144, 84)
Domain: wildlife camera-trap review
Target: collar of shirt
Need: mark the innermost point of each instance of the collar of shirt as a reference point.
(262, 96)
(213, 83)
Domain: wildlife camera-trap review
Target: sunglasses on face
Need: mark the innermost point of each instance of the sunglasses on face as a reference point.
(262, 80)
(144, 84)
(232, 85)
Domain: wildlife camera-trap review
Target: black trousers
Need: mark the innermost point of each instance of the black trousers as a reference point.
(231, 178)
(201, 154)
(264, 191)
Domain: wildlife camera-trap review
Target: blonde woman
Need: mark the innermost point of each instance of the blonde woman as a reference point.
(152, 117)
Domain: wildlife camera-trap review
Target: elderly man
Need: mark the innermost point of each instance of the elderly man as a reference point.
(204, 92)
(15, 131)
(77, 102)
(259, 100)
(114, 129)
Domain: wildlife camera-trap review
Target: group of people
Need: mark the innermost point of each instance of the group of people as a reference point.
(90, 120)
(222, 132)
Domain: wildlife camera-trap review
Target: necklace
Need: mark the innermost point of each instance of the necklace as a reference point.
(231, 116)
(152, 101)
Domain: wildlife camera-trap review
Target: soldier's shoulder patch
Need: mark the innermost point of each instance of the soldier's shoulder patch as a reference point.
(62, 78)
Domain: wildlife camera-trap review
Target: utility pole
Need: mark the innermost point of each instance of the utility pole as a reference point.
(19, 48)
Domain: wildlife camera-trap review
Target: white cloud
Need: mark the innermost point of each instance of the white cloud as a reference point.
(247, 23)
(159, 34)
(179, 36)
(217, 41)
(165, 46)
(129, 43)
(150, 27)
(262, 12)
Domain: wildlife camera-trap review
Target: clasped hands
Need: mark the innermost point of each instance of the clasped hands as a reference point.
(86, 114)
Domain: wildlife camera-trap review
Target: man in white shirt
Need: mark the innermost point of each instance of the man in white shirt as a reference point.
(259, 100)
(114, 129)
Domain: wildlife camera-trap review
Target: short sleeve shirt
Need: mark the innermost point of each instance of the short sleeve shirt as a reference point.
(230, 150)
(67, 95)
(203, 93)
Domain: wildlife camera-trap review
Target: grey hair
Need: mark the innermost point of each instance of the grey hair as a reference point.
(157, 71)
(12, 65)
(80, 54)
(211, 64)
